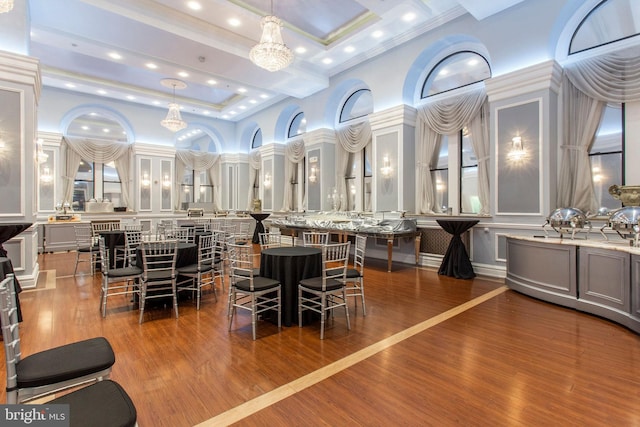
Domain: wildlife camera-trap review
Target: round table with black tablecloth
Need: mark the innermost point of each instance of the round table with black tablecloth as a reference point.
(7, 232)
(289, 265)
(456, 261)
(259, 217)
(112, 239)
(187, 254)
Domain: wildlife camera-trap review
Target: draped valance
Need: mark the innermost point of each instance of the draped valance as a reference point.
(197, 160)
(449, 115)
(613, 77)
(94, 150)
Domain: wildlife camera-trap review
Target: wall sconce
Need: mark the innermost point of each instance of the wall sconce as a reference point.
(386, 170)
(166, 181)
(313, 177)
(267, 180)
(145, 180)
(46, 176)
(517, 152)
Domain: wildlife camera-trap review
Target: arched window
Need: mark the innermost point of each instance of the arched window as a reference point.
(608, 22)
(256, 141)
(358, 104)
(455, 71)
(452, 155)
(298, 125)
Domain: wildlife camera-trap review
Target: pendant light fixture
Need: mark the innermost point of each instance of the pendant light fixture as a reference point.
(271, 53)
(173, 121)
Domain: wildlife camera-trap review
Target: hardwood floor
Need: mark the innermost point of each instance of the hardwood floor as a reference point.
(432, 350)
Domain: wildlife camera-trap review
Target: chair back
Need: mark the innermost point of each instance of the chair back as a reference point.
(104, 256)
(216, 224)
(270, 240)
(133, 227)
(202, 224)
(243, 231)
(358, 254)
(132, 239)
(240, 263)
(84, 236)
(10, 329)
(159, 261)
(315, 238)
(206, 250)
(335, 259)
(97, 227)
(182, 234)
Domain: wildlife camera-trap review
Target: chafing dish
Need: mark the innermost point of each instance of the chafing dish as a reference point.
(624, 221)
(567, 220)
(629, 195)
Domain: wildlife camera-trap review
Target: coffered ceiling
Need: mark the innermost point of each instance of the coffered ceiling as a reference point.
(122, 49)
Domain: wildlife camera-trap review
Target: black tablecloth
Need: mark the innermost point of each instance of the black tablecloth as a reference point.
(112, 238)
(7, 268)
(456, 261)
(9, 231)
(289, 265)
(187, 254)
(259, 217)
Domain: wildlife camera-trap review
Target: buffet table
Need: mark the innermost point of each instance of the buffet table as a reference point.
(390, 230)
(595, 276)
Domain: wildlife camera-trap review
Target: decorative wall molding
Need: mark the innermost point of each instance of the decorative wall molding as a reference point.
(22, 70)
(395, 116)
(544, 76)
(319, 136)
(140, 148)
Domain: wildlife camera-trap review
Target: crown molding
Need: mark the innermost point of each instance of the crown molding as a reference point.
(544, 76)
(21, 69)
(400, 115)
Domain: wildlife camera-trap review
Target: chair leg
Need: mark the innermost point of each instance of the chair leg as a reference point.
(231, 309)
(364, 306)
(253, 315)
(346, 308)
(175, 299)
(143, 296)
(323, 315)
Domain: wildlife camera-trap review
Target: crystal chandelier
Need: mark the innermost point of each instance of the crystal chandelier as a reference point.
(174, 121)
(271, 53)
(6, 5)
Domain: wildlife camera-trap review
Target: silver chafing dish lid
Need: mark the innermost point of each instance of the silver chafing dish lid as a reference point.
(626, 217)
(572, 217)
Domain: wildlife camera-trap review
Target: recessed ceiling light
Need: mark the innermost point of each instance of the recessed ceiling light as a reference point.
(194, 5)
(327, 61)
(253, 101)
(115, 55)
(443, 72)
(131, 97)
(472, 62)
(377, 34)
(206, 112)
(151, 65)
(70, 85)
(349, 49)
(233, 112)
(234, 22)
(105, 130)
(242, 90)
(183, 74)
(102, 91)
(264, 96)
(156, 102)
(408, 17)
(225, 116)
(212, 82)
(301, 49)
(85, 127)
(242, 107)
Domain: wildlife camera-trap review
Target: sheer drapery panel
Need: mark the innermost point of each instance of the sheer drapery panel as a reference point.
(352, 138)
(444, 117)
(294, 154)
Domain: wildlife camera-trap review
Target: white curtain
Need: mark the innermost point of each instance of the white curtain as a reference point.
(97, 151)
(586, 88)
(479, 136)
(198, 161)
(443, 117)
(353, 139)
(177, 185)
(294, 154)
(582, 115)
(255, 158)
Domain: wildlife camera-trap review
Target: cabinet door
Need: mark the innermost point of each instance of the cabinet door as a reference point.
(635, 286)
(604, 279)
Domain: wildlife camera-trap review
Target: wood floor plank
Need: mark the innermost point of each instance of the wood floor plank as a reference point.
(509, 360)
